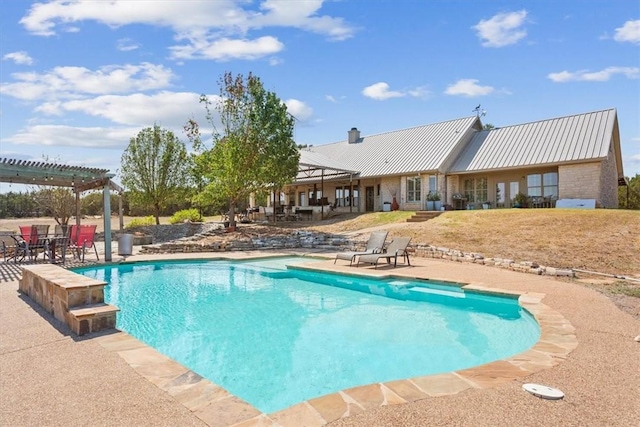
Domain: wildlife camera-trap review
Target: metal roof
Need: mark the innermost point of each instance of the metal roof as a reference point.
(576, 138)
(57, 175)
(413, 150)
(312, 164)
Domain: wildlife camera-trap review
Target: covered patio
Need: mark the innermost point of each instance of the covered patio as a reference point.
(77, 178)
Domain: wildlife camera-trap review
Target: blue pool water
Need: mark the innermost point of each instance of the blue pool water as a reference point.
(275, 336)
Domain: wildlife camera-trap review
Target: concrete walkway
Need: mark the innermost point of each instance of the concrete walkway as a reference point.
(48, 377)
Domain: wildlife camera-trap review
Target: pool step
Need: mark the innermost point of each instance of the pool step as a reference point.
(92, 318)
(443, 292)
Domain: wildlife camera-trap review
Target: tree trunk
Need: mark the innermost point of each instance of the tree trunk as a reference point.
(232, 215)
(156, 209)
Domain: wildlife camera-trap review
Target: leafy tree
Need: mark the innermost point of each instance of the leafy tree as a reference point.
(92, 203)
(17, 205)
(154, 166)
(488, 126)
(634, 194)
(252, 149)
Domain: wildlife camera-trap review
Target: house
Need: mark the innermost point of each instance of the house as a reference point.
(466, 166)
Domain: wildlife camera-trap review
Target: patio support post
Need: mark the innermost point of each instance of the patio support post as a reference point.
(350, 193)
(106, 213)
(78, 208)
(321, 189)
(120, 212)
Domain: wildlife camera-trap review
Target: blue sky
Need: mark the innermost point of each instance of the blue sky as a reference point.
(80, 78)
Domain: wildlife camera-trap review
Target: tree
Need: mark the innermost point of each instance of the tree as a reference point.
(634, 194)
(58, 202)
(488, 126)
(154, 166)
(252, 150)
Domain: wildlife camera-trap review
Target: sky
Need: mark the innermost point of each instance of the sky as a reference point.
(79, 79)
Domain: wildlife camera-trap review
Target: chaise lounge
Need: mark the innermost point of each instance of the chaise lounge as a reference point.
(397, 248)
(375, 244)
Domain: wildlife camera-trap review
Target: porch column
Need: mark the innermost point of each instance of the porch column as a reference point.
(106, 212)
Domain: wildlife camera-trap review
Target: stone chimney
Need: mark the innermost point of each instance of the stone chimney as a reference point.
(354, 136)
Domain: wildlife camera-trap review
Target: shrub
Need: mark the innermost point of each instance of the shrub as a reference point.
(141, 222)
(185, 215)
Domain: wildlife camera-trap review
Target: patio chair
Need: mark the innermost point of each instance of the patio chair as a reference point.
(33, 240)
(9, 247)
(375, 244)
(397, 248)
(83, 238)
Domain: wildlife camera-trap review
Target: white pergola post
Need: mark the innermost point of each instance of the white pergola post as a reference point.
(107, 222)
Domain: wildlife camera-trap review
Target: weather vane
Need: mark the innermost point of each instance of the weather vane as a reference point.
(479, 112)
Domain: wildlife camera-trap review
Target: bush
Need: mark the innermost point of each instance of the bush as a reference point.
(191, 215)
(142, 222)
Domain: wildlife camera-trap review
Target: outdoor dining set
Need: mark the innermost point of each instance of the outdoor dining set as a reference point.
(35, 242)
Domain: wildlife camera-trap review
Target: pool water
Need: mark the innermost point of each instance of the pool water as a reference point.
(275, 336)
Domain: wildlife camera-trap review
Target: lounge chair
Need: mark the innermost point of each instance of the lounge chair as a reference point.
(397, 248)
(375, 244)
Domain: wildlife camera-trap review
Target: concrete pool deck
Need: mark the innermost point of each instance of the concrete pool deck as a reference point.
(50, 377)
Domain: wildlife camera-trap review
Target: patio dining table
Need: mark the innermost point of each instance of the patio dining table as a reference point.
(54, 248)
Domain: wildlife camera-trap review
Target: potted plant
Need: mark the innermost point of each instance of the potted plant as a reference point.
(433, 201)
(520, 201)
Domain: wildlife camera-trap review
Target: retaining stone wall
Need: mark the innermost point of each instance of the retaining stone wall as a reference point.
(196, 242)
(429, 251)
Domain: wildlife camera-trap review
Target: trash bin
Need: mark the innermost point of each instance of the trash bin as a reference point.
(125, 244)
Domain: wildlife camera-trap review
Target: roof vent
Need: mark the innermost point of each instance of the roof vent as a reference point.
(354, 136)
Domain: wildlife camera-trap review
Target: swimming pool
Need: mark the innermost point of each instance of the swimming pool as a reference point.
(275, 337)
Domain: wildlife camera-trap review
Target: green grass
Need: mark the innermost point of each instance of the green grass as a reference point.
(625, 288)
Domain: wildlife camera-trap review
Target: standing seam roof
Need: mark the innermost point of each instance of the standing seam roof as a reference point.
(574, 138)
(422, 148)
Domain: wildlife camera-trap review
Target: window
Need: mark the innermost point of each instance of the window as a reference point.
(433, 183)
(500, 193)
(342, 196)
(475, 190)
(514, 188)
(545, 184)
(315, 197)
(413, 189)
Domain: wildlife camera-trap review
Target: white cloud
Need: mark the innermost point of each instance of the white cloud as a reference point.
(171, 109)
(380, 92)
(330, 99)
(71, 82)
(213, 29)
(127, 45)
(225, 49)
(70, 136)
(468, 88)
(502, 29)
(20, 57)
(629, 32)
(298, 109)
(596, 76)
(419, 92)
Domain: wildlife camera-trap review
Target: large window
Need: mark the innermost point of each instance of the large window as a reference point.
(475, 190)
(342, 196)
(545, 184)
(413, 189)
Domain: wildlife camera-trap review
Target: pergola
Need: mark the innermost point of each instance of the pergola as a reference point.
(78, 178)
(314, 167)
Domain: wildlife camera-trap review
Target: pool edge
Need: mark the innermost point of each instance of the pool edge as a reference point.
(216, 406)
